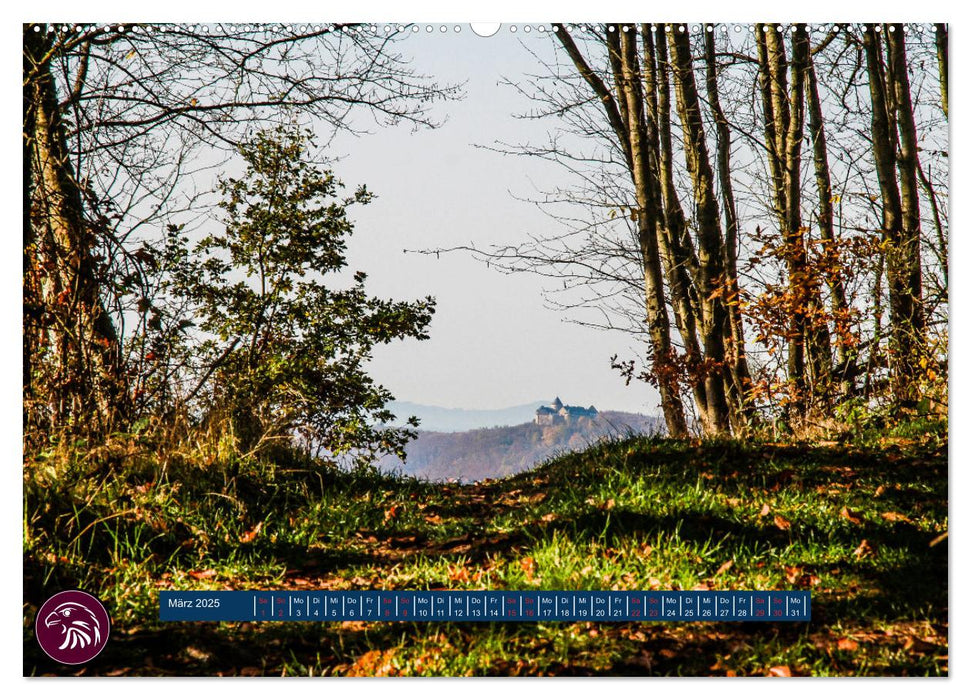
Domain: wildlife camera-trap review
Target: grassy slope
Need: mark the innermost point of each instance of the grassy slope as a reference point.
(853, 524)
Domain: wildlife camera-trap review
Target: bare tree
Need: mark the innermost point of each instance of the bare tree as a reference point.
(893, 133)
(115, 119)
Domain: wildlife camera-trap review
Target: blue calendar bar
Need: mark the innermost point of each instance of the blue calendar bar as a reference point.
(485, 606)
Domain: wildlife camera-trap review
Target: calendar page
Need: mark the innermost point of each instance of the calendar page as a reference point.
(545, 348)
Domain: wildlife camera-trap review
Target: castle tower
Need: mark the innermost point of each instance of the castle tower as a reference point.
(557, 404)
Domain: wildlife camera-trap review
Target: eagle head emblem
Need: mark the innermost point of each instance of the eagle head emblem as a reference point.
(78, 624)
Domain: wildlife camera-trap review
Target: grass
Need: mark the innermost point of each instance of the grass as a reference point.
(858, 525)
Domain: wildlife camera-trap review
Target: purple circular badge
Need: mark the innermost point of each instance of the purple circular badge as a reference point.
(72, 627)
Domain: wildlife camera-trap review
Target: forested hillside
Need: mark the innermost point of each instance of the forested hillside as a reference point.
(491, 453)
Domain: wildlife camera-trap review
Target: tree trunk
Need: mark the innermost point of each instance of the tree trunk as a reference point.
(71, 348)
(680, 262)
(809, 363)
(941, 41)
(902, 295)
(907, 167)
(624, 57)
(618, 116)
(711, 278)
(827, 233)
(775, 120)
(816, 331)
(740, 386)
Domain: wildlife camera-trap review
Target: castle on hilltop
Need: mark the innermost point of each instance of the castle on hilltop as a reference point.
(558, 414)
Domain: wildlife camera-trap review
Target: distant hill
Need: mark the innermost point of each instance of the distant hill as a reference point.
(489, 453)
(451, 420)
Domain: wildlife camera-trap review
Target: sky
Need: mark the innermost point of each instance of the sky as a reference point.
(494, 341)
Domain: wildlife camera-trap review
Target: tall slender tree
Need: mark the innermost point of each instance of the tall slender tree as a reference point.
(890, 102)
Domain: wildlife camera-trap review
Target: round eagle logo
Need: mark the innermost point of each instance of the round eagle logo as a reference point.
(72, 627)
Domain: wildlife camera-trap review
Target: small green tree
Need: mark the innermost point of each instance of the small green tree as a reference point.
(282, 353)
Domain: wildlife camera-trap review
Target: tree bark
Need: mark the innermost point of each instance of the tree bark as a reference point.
(680, 263)
(624, 56)
(71, 348)
(940, 40)
(827, 233)
(903, 294)
(739, 389)
(711, 278)
(907, 167)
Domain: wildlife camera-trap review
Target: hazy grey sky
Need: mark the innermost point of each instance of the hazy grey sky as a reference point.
(493, 342)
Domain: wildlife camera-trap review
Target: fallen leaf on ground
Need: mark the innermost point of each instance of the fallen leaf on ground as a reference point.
(725, 567)
(202, 574)
(373, 663)
(851, 515)
(846, 644)
(765, 510)
(782, 671)
(458, 574)
(894, 517)
(782, 523)
(864, 550)
(250, 535)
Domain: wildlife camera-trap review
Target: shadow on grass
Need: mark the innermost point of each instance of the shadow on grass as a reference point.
(910, 585)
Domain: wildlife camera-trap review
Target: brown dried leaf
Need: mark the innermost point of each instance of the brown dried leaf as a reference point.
(373, 663)
(781, 671)
(781, 522)
(894, 517)
(250, 535)
(458, 573)
(851, 515)
(199, 575)
(725, 567)
(765, 510)
(864, 550)
(846, 644)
